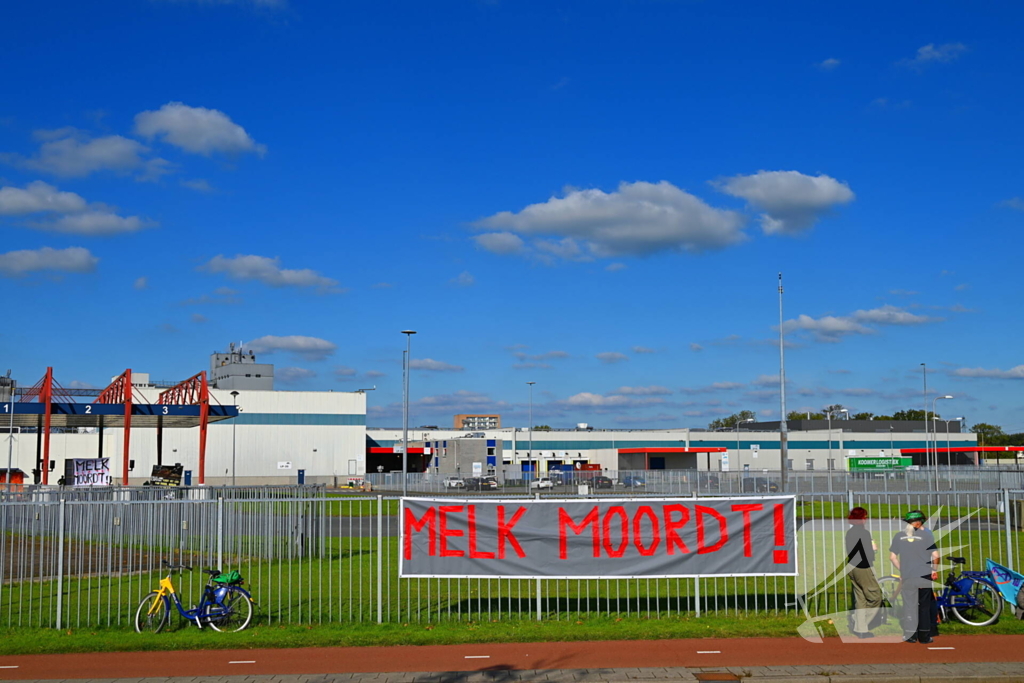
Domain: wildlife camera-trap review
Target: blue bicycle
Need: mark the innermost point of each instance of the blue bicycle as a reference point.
(972, 597)
(225, 605)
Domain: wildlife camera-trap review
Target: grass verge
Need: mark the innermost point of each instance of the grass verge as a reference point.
(49, 641)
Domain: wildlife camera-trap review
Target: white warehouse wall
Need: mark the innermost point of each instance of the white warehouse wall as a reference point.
(272, 427)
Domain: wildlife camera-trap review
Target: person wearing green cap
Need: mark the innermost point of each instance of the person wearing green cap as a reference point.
(914, 553)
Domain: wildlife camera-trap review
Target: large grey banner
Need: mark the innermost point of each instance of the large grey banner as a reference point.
(607, 538)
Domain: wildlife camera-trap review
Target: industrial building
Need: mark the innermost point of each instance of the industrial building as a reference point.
(230, 425)
(274, 436)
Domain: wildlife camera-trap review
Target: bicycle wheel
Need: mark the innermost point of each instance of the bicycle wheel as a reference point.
(152, 614)
(234, 615)
(892, 600)
(980, 605)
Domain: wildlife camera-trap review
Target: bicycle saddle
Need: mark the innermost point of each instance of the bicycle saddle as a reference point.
(212, 572)
(956, 560)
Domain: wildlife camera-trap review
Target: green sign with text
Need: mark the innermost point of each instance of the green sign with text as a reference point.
(880, 463)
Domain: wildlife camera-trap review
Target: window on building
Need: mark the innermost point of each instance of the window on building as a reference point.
(810, 463)
(831, 463)
(490, 450)
(789, 464)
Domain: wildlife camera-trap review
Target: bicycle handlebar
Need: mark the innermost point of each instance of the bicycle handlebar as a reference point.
(176, 566)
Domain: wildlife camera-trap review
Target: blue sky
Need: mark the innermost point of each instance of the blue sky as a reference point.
(594, 196)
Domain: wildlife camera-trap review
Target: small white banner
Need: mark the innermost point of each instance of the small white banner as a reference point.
(284, 465)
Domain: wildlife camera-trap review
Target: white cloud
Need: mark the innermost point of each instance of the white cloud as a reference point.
(268, 271)
(38, 197)
(695, 347)
(611, 357)
(831, 328)
(70, 260)
(547, 355)
(79, 217)
(1013, 373)
(588, 400)
(196, 129)
(615, 267)
(710, 388)
(344, 373)
(828, 64)
(653, 390)
(1015, 203)
(636, 219)
(293, 375)
(500, 243)
(792, 202)
(199, 318)
(464, 279)
(310, 348)
(643, 349)
(432, 365)
(197, 184)
(140, 283)
(70, 153)
(95, 224)
(903, 292)
(891, 315)
(935, 54)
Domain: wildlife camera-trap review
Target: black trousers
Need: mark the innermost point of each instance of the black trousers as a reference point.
(920, 612)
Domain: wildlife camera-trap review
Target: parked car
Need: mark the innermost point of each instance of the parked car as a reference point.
(759, 485)
(542, 483)
(602, 483)
(481, 483)
(454, 483)
(633, 482)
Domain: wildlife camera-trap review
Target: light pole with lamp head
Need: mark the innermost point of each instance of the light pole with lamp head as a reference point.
(739, 465)
(405, 410)
(529, 456)
(927, 443)
(936, 449)
(234, 431)
(829, 414)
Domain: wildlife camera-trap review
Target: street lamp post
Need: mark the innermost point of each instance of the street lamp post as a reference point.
(529, 453)
(234, 430)
(936, 449)
(927, 443)
(405, 410)
(10, 435)
(739, 465)
(828, 416)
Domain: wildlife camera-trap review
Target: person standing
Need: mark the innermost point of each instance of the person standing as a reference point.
(860, 558)
(914, 553)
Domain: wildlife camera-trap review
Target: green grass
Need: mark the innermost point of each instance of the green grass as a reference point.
(49, 641)
(42, 641)
(839, 510)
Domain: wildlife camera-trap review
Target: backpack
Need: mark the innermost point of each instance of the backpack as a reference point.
(231, 578)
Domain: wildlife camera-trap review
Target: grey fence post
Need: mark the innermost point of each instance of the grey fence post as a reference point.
(696, 594)
(1008, 526)
(60, 563)
(380, 558)
(220, 533)
(849, 497)
(537, 495)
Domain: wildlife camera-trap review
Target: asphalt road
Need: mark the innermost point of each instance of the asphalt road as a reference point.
(507, 656)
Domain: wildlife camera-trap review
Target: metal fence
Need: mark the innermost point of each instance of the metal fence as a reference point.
(315, 559)
(689, 482)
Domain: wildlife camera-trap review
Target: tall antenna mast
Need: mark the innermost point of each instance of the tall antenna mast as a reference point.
(783, 426)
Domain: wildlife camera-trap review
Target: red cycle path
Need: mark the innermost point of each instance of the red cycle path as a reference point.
(576, 655)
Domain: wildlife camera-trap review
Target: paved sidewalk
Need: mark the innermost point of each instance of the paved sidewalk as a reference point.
(994, 672)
